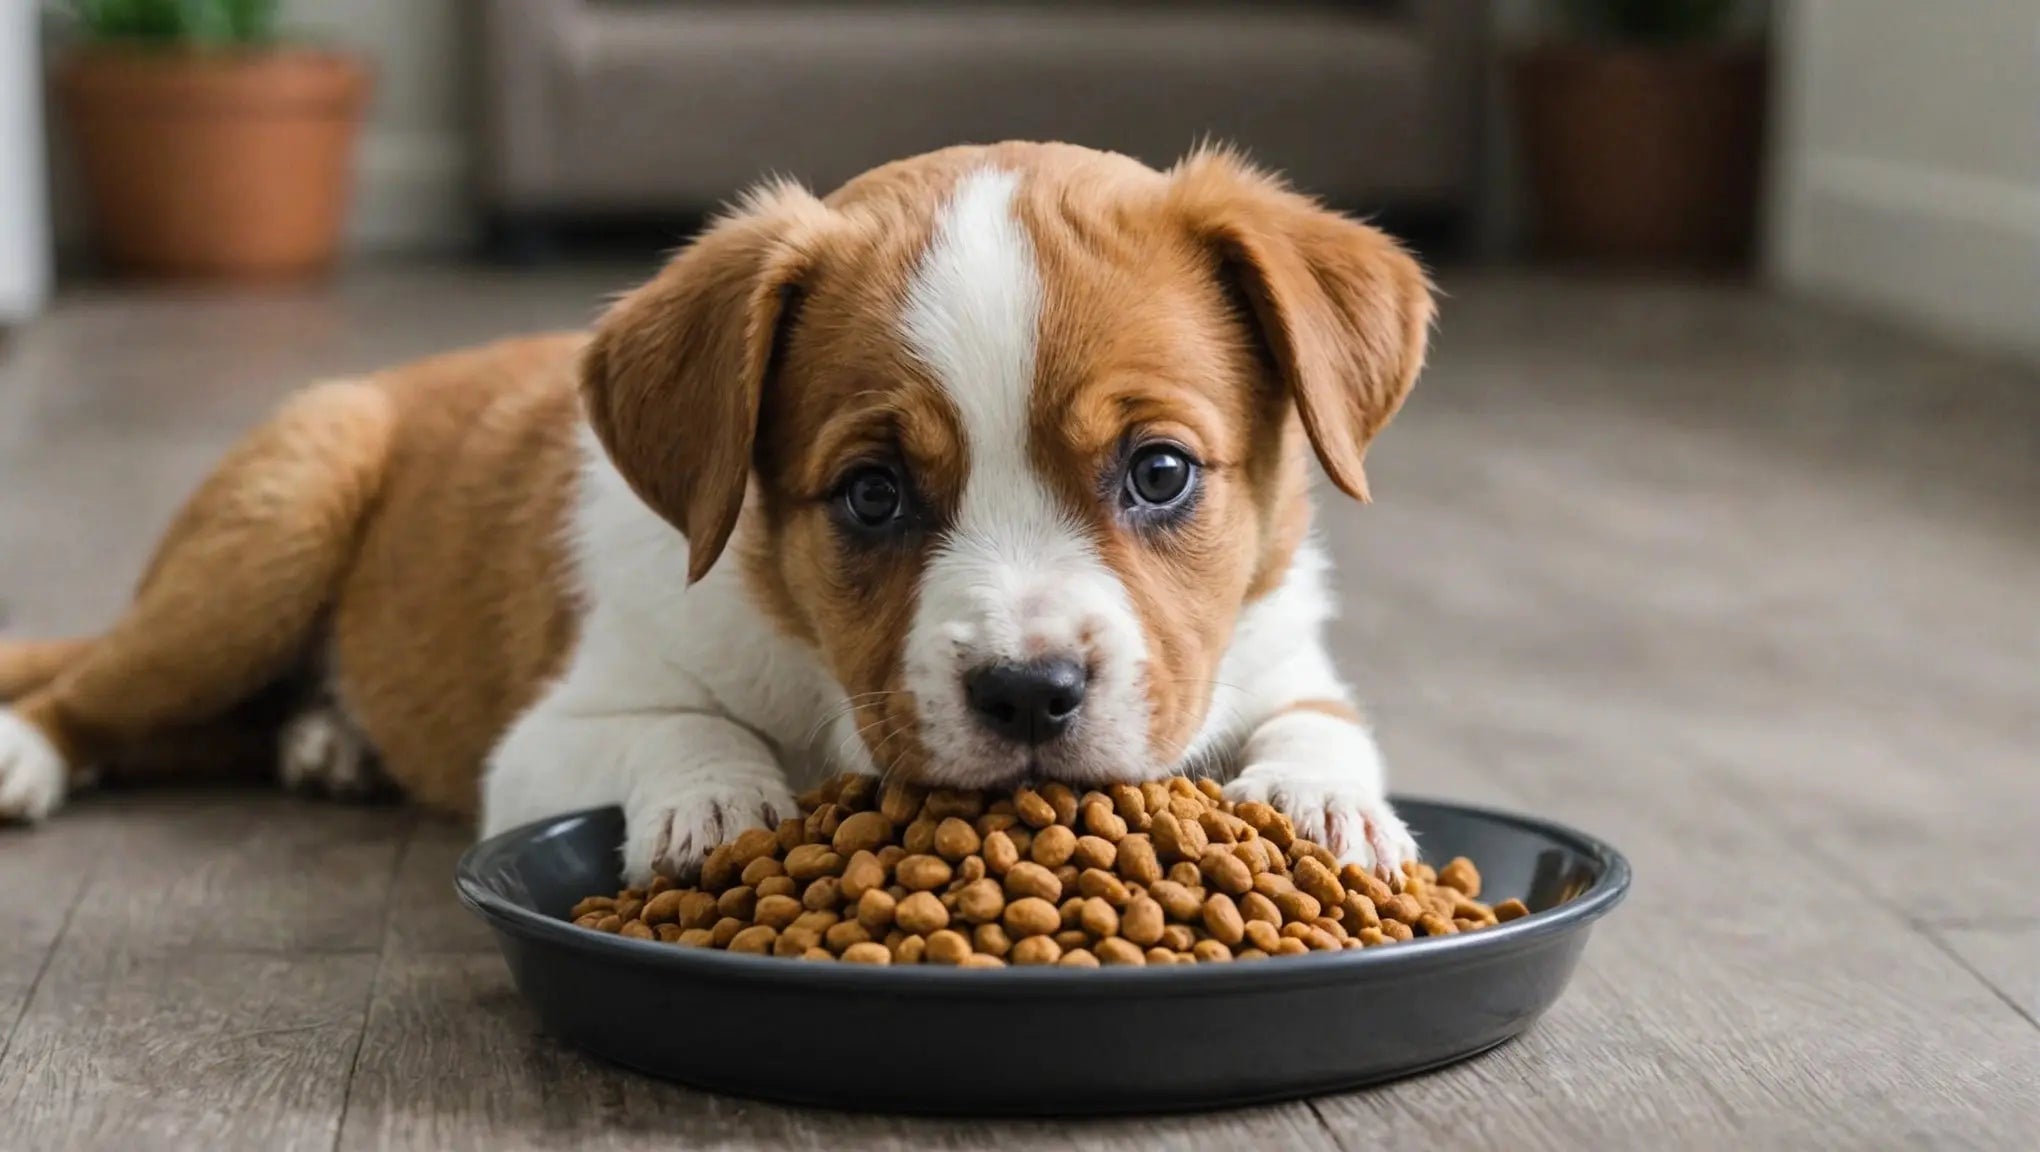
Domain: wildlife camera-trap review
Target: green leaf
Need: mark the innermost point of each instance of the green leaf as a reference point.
(223, 23)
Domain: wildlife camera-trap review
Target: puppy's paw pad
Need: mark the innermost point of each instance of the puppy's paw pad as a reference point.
(320, 750)
(1354, 823)
(32, 771)
(674, 833)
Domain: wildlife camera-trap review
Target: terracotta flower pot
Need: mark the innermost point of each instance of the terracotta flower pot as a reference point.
(1643, 155)
(219, 164)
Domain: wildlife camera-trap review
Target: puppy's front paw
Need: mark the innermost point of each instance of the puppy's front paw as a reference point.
(671, 831)
(32, 771)
(1335, 809)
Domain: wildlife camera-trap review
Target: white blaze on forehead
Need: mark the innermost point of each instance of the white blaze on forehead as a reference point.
(1016, 576)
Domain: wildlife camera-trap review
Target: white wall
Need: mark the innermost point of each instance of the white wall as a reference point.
(411, 192)
(24, 223)
(1907, 174)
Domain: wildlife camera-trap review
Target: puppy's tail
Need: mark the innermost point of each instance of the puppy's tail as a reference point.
(26, 665)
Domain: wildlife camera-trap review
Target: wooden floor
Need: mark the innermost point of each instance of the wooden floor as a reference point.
(1748, 589)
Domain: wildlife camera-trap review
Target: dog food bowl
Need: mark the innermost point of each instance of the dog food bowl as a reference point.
(1045, 1041)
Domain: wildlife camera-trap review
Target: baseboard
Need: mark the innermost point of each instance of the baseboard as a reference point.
(412, 195)
(1949, 252)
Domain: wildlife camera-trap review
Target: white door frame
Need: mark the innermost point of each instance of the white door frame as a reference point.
(25, 240)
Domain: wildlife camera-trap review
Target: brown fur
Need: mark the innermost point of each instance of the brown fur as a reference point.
(410, 522)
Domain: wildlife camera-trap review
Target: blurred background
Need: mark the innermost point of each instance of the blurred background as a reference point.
(1880, 152)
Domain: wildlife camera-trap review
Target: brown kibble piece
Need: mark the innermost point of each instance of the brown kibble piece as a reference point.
(910, 949)
(1211, 951)
(867, 953)
(982, 901)
(991, 939)
(946, 946)
(1030, 879)
(777, 911)
(760, 870)
(862, 873)
(1511, 909)
(591, 905)
(999, 853)
(1096, 882)
(637, 930)
(1033, 809)
(1178, 937)
(1078, 958)
(757, 940)
(726, 930)
(777, 886)
(1223, 871)
(739, 902)
(923, 872)
(1137, 860)
(1222, 919)
(921, 913)
(663, 908)
(901, 802)
(1031, 916)
(1176, 900)
(1143, 921)
(1094, 852)
(1113, 950)
(628, 909)
(1401, 907)
(1053, 846)
(919, 838)
(811, 861)
(1063, 800)
(1261, 934)
(955, 839)
(1254, 906)
(1035, 950)
(1100, 918)
(861, 832)
(875, 909)
(844, 934)
(1397, 930)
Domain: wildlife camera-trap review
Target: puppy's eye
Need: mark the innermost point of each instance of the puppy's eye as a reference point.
(872, 497)
(1159, 476)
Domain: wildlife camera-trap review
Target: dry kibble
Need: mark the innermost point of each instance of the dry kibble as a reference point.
(861, 832)
(1099, 917)
(776, 911)
(1053, 846)
(991, 939)
(1035, 950)
(1094, 852)
(875, 909)
(1176, 900)
(1096, 882)
(1030, 879)
(811, 861)
(1137, 860)
(956, 839)
(919, 838)
(1113, 950)
(757, 939)
(1031, 916)
(923, 873)
(1164, 872)
(823, 895)
(999, 853)
(1062, 800)
(901, 802)
(1222, 919)
(981, 902)
(946, 946)
(663, 908)
(1254, 906)
(921, 913)
(862, 873)
(1143, 921)
(867, 953)
(1072, 911)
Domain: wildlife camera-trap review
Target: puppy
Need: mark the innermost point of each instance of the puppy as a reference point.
(991, 465)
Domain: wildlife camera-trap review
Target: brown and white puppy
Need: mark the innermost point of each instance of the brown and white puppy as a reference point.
(991, 465)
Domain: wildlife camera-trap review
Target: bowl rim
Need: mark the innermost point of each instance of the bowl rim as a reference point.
(1610, 884)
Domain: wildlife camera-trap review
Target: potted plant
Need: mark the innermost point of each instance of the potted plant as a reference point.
(1642, 134)
(206, 146)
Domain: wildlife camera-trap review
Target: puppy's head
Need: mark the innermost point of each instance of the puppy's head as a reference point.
(1015, 433)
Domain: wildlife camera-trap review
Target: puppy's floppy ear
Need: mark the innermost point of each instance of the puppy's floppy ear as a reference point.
(675, 377)
(1343, 311)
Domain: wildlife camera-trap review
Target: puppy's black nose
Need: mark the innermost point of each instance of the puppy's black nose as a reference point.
(1032, 702)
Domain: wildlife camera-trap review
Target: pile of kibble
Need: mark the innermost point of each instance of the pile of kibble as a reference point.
(1168, 872)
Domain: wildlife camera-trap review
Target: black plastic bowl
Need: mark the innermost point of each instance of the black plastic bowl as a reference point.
(1045, 1041)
